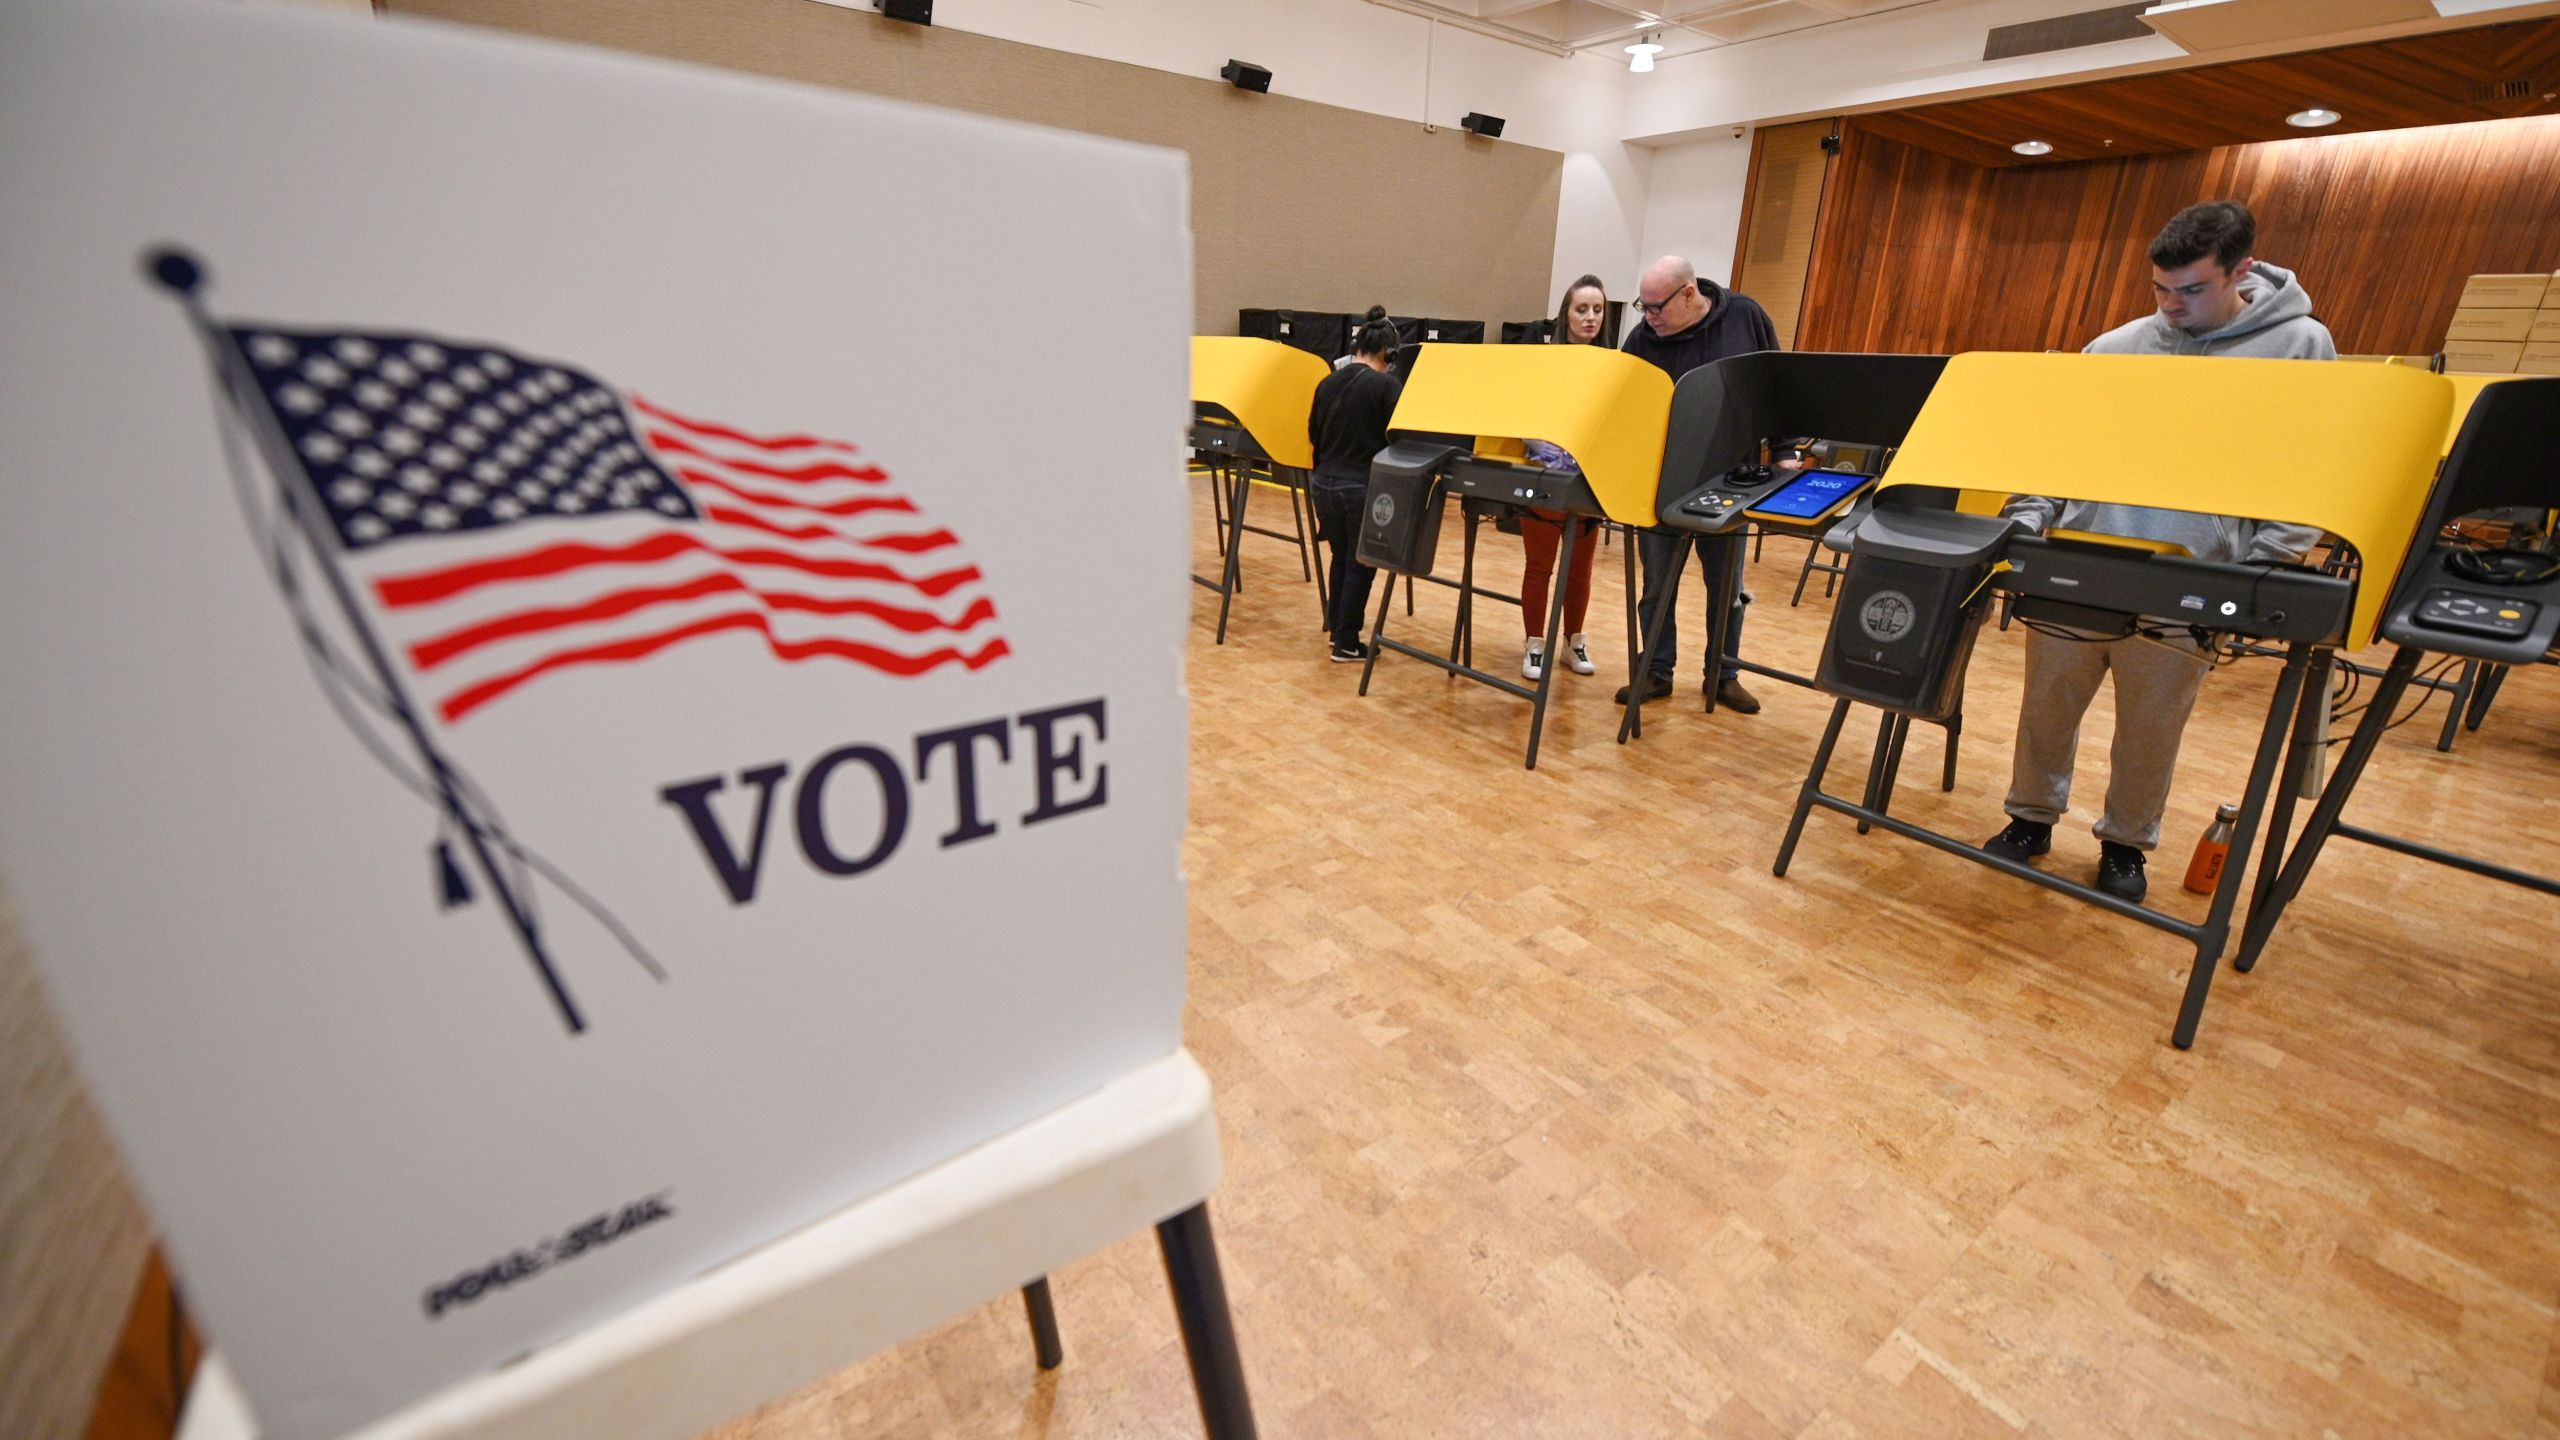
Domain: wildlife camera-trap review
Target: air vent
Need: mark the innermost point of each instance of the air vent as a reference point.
(2504, 90)
(2068, 32)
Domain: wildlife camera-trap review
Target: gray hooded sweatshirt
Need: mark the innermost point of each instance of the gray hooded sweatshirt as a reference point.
(2274, 324)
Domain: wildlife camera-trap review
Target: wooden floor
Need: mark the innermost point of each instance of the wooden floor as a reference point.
(1549, 1112)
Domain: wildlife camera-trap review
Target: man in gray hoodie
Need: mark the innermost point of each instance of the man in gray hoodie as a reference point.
(2215, 298)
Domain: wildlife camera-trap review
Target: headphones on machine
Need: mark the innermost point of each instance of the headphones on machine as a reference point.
(2503, 567)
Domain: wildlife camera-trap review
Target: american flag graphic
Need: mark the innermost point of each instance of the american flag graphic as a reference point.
(508, 519)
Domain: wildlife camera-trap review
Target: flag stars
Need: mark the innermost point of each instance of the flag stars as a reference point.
(367, 527)
(424, 355)
(399, 371)
(402, 441)
(396, 505)
(300, 399)
(445, 457)
(443, 394)
(355, 350)
(505, 508)
(417, 479)
(323, 371)
(350, 493)
(273, 351)
(438, 517)
(376, 396)
(369, 464)
(670, 505)
(347, 423)
(323, 448)
(420, 416)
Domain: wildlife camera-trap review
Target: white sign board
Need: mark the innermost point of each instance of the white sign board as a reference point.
(558, 718)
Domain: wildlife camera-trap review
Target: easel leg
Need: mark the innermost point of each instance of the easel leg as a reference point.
(1208, 1332)
(2253, 804)
(1044, 1324)
(1812, 783)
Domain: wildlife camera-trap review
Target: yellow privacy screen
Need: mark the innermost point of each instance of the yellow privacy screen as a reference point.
(1266, 385)
(2351, 449)
(1607, 409)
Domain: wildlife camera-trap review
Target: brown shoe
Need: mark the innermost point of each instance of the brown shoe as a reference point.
(1731, 696)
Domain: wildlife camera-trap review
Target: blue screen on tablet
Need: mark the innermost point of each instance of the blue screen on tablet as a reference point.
(1810, 494)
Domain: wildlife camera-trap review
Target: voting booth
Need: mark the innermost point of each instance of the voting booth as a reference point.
(1718, 484)
(2499, 606)
(1605, 409)
(2343, 448)
(573, 820)
(1250, 400)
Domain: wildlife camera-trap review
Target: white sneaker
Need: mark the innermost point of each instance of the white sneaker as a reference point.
(1533, 660)
(1577, 657)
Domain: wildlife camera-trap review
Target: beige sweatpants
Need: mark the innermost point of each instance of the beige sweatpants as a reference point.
(2155, 692)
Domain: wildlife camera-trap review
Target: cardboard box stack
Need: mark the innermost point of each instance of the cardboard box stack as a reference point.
(2542, 338)
(2494, 323)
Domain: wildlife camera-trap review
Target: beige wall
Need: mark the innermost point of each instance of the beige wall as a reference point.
(1292, 203)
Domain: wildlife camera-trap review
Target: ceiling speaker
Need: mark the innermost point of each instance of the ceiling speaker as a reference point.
(914, 12)
(1246, 76)
(1488, 126)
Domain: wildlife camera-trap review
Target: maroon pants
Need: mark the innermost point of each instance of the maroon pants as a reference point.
(1542, 535)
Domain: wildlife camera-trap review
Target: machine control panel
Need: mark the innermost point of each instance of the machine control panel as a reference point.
(2472, 614)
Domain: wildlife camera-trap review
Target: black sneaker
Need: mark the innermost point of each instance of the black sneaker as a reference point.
(2120, 871)
(1657, 687)
(1351, 654)
(1731, 696)
(2022, 841)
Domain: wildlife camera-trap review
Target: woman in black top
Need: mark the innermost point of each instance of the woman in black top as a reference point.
(1348, 424)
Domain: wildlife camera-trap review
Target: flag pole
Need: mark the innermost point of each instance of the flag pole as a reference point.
(183, 277)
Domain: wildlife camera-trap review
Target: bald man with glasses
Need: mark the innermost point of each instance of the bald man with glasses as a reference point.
(1689, 322)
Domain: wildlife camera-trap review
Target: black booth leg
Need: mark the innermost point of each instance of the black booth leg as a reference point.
(1812, 783)
(1044, 1324)
(2462, 691)
(1462, 644)
(1641, 674)
(2308, 715)
(2270, 907)
(2262, 774)
(1955, 736)
(1554, 653)
(2481, 695)
(1218, 504)
(1877, 766)
(1231, 577)
(1633, 720)
(1298, 516)
(1377, 632)
(1208, 1332)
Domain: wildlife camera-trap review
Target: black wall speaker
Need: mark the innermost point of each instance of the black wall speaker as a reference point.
(1488, 126)
(1246, 76)
(914, 12)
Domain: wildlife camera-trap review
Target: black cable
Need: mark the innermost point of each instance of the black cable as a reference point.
(2426, 684)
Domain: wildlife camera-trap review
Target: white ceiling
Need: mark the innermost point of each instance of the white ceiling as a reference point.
(1684, 26)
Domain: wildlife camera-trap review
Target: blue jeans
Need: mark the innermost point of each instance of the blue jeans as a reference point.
(1663, 553)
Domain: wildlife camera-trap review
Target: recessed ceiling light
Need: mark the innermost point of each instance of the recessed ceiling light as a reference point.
(2311, 119)
(1645, 48)
(2032, 147)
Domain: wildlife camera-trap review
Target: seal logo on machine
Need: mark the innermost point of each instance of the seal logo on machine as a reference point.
(1382, 509)
(1887, 616)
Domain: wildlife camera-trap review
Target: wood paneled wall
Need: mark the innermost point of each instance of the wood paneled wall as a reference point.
(1922, 253)
(1293, 204)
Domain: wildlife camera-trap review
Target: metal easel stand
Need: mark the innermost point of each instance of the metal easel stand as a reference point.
(1460, 661)
(2301, 693)
(1631, 724)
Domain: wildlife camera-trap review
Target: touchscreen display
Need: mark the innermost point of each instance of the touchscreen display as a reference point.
(1811, 493)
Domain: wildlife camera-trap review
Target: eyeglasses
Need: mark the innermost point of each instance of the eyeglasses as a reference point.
(1656, 307)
